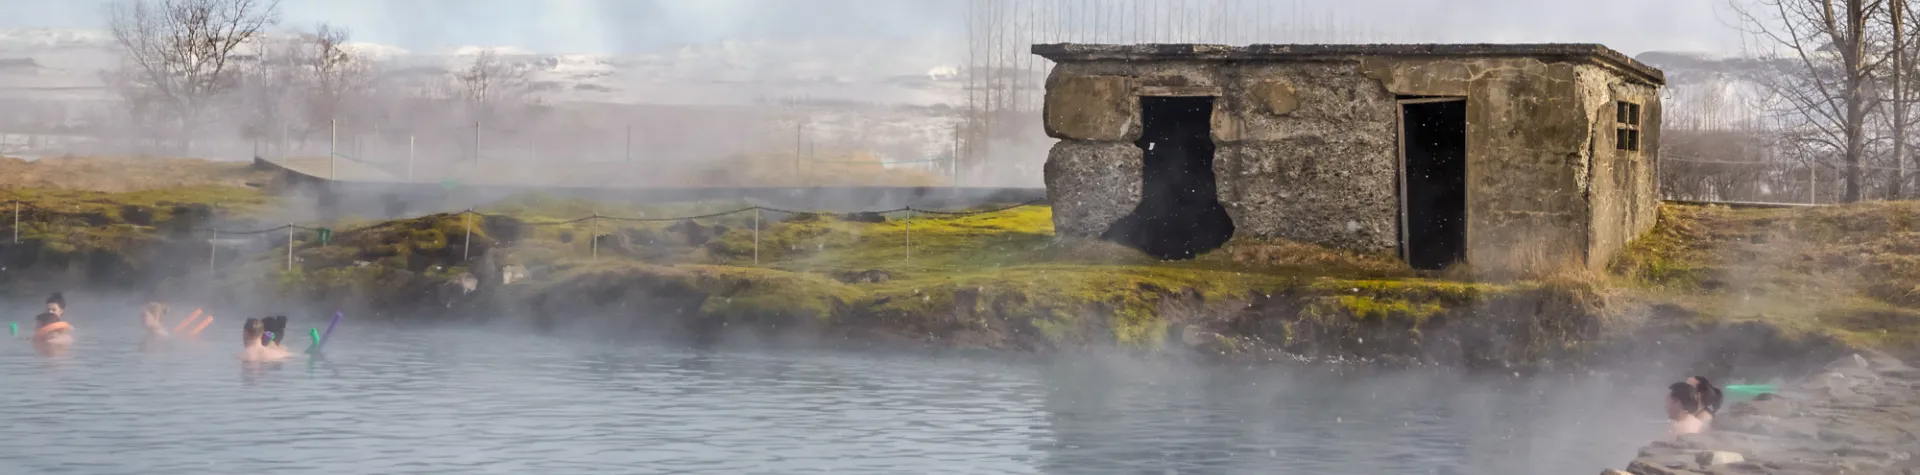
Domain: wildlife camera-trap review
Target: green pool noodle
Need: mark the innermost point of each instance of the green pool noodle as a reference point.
(13, 329)
(1751, 388)
(315, 333)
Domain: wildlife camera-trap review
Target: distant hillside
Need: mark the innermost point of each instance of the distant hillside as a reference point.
(727, 72)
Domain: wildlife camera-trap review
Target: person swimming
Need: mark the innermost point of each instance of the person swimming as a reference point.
(1683, 408)
(57, 305)
(1710, 397)
(251, 348)
(276, 327)
(51, 335)
(154, 316)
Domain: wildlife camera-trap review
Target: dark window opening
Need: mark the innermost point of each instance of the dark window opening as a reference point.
(1179, 215)
(1626, 130)
(1433, 218)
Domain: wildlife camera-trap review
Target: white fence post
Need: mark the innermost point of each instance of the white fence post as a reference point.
(467, 244)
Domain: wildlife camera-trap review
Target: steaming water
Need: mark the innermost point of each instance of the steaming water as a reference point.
(472, 401)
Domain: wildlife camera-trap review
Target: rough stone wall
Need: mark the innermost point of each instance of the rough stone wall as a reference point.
(1527, 154)
(1308, 150)
(1623, 187)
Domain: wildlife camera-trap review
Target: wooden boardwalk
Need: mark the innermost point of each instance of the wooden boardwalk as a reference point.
(322, 168)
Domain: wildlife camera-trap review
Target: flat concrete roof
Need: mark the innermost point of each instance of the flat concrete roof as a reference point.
(1580, 52)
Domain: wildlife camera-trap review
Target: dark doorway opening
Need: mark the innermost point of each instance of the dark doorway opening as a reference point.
(1179, 215)
(1433, 182)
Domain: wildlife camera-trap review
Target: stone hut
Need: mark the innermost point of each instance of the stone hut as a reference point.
(1503, 156)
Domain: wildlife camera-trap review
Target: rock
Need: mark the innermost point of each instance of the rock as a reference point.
(1773, 406)
(613, 244)
(865, 217)
(1741, 468)
(865, 277)
(460, 286)
(694, 233)
(1714, 457)
(1642, 467)
(513, 273)
(1853, 361)
(1613, 472)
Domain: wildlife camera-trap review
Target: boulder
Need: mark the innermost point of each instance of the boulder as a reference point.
(865, 277)
(1852, 361)
(512, 273)
(1715, 457)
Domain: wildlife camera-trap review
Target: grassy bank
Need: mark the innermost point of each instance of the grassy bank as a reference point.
(1000, 279)
(1852, 272)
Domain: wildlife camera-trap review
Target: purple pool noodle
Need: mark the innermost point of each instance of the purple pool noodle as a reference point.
(328, 336)
(267, 338)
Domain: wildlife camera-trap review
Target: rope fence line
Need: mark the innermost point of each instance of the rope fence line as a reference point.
(20, 207)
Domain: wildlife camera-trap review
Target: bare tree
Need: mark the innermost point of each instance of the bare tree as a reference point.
(490, 84)
(335, 73)
(1835, 49)
(179, 54)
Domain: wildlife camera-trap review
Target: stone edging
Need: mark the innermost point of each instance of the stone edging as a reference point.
(1860, 416)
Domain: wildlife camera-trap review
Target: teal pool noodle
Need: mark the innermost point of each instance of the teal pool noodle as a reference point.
(13, 329)
(1751, 388)
(315, 333)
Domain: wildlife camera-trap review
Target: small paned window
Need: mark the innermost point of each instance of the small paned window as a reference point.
(1626, 127)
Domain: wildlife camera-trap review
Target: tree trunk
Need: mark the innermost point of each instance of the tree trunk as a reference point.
(1854, 54)
(1896, 185)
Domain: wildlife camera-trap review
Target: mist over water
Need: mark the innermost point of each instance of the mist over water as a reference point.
(640, 93)
(425, 399)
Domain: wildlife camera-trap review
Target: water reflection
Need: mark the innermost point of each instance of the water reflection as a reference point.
(465, 401)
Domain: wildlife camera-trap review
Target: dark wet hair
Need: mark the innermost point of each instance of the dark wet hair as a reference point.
(1710, 397)
(277, 325)
(45, 318)
(1688, 396)
(57, 299)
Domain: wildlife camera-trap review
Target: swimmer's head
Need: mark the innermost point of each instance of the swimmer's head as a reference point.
(276, 325)
(156, 309)
(1682, 399)
(251, 330)
(45, 318)
(57, 304)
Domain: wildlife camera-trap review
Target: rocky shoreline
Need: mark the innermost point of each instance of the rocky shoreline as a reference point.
(1857, 416)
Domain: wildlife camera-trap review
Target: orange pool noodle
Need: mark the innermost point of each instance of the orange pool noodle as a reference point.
(183, 323)
(203, 326)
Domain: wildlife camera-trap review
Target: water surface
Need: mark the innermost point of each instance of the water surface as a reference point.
(488, 401)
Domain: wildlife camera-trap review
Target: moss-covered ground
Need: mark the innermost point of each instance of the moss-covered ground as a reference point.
(1852, 272)
(897, 268)
(64, 227)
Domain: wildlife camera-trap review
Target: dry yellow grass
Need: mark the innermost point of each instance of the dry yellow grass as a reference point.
(125, 174)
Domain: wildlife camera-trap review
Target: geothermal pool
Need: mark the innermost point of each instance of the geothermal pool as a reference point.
(493, 401)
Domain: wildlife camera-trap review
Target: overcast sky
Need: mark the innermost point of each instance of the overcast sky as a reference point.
(626, 26)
